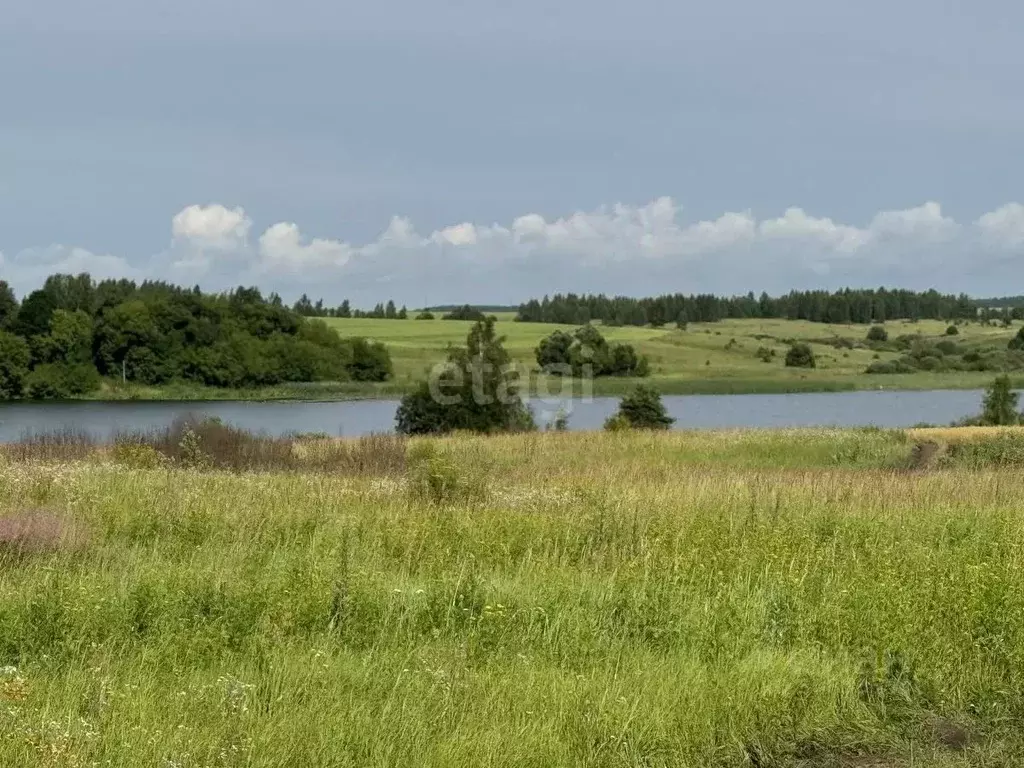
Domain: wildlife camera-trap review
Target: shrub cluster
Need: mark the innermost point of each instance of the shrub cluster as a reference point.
(586, 352)
(947, 355)
(877, 333)
(465, 312)
(800, 356)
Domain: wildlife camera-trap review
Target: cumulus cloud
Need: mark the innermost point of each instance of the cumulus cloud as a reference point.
(1004, 226)
(281, 246)
(211, 226)
(796, 224)
(637, 249)
(27, 269)
(924, 223)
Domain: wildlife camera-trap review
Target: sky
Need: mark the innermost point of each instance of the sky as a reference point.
(433, 151)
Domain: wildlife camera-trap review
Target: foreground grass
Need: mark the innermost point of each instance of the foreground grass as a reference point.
(686, 599)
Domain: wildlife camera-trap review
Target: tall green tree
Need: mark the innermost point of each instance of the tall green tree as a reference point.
(14, 361)
(475, 389)
(69, 339)
(34, 315)
(8, 306)
(641, 409)
(999, 405)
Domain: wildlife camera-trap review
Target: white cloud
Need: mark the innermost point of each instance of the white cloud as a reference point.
(924, 223)
(638, 249)
(1004, 226)
(27, 269)
(460, 234)
(281, 247)
(797, 225)
(728, 230)
(211, 226)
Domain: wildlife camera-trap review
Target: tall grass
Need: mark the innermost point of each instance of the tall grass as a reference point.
(197, 443)
(596, 600)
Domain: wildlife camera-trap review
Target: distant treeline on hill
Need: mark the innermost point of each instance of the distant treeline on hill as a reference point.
(845, 306)
(307, 308)
(1001, 302)
(482, 308)
(63, 338)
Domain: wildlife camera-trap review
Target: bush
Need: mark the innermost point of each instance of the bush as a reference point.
(930, 363)
(907, 340)
(371, 361)
(617, 423)
(425, 316)
(641, 409)
(59, 381)
(765, 354)
(1017, 342)
(877, 333)
(952, 330)
(800, 356)
(465, 312)
(136, 455)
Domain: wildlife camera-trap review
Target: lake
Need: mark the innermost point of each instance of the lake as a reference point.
(359, 417)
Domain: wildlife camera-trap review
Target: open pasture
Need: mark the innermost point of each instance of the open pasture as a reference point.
(790, 598)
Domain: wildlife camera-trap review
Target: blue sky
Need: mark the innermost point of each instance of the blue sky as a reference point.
(492, 151)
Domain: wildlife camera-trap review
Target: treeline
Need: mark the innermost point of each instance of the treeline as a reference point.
(307, 308)
(1001, 302)
(65, 336)
(483, 309)
(845, 306)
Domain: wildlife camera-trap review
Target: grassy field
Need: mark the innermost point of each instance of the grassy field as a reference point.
(708, 358)
(790, 598)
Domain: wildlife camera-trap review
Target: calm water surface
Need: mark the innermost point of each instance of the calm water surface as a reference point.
(359, 417)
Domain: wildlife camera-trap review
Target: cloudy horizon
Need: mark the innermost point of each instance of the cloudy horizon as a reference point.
(623, 249)
(447, 151)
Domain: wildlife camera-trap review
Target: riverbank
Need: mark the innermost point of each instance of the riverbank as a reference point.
(540, 386)
(758, 597)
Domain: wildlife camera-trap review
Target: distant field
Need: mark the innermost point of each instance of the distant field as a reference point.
(697, 360)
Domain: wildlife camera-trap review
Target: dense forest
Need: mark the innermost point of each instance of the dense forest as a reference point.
(845, 306)
(63, 338)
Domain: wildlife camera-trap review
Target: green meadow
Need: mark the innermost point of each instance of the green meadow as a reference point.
(804, 598)
(708, 358)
